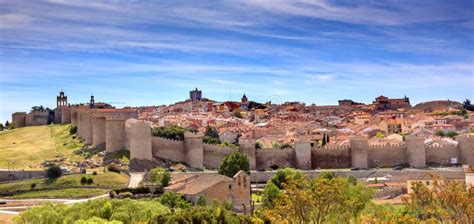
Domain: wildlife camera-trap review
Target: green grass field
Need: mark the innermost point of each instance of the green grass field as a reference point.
(67, 186)
(29, 146)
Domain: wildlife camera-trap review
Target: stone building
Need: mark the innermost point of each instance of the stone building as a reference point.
(384, 103)
(195, 95)
(212, 186)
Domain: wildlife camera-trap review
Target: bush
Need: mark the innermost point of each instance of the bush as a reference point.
(73, 130)
(112, 194)
(53, 171)
(201, 200)
(33, 185)
(173, 200)
(126, 195)
(211, 140)
(451, 134)
(94, 173)
(439, 133)
(233, 163)
(113, 168)
(258, 145)
(137, 190)
(83, 180)
(90, 181)
(326, 175)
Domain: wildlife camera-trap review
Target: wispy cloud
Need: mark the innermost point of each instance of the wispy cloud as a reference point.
(314, 51)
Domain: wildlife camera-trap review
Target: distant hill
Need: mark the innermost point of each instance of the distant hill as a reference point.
(436, 105)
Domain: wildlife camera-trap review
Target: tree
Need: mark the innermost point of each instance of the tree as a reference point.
(53, 171)
(7, 124)
(258, 145)
(451, 134)
(170, 131)
(444, 201)
(270, 192)
(380, 135)
(282, 176)
(211, 132)
(233, 163)
(160, 176)
(1, 127)
(318, 200)
(439, 133)
(237, 114)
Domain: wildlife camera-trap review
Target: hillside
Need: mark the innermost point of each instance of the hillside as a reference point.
(29, 146)
(67, 186)
(437, 105)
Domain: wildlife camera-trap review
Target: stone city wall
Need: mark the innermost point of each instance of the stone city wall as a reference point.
(266, 158)
(167, 149)
(442, 155)
(330, 157)
(37, 118)
(19, 119)
(117, 130)
(386, 155)
(214, 154)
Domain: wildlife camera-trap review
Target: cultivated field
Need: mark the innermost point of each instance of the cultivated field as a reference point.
(27, 147)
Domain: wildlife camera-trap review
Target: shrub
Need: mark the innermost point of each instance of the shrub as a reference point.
(137, 190)
(439, 133)
(113, 168)
(211, 140)
(94, 173)
(326, 175)
(53, 171)
(233, 163)
(258, 145)
(73, 130)
(173, 200)
(90, 181)
(83, 180)
(201, 200)
(126, 195)
(451, 134)
(33, 185)
(112, 194)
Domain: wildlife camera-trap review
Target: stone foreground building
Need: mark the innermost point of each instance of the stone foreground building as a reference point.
(212, 186)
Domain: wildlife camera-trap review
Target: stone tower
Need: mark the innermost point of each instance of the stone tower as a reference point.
(466, 149)
(359, 153)
(61, 100)
(303, 155)
(416, 153)
(194, 149)
(92, 102)
(247, 147)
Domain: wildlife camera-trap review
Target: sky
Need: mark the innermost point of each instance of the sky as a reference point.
(132, 53)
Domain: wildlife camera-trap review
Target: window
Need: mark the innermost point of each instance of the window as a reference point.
(230, 186)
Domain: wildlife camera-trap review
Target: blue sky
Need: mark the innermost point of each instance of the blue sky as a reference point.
(154, 52)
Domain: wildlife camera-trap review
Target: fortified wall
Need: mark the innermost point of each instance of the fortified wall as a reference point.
(359, 154)
(117, 129)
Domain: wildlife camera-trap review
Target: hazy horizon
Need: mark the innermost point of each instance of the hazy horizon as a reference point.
(154, 53)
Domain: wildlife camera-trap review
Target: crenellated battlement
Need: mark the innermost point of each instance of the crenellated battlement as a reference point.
(386, 146)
